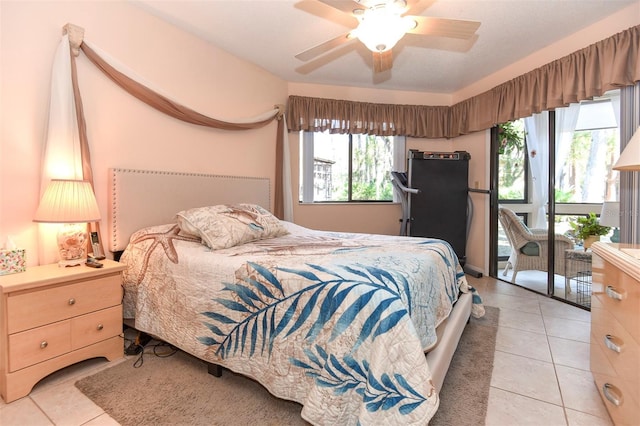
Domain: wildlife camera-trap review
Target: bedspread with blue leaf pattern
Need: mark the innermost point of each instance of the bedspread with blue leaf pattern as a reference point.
(337, 322)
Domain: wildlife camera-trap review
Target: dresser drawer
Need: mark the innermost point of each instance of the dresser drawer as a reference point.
(627, 409)
(96, 326)
(33, 308)
(618, 346)
(620, 295)
(39, 344)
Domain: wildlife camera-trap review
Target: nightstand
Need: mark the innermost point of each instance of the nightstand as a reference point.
(52, 317)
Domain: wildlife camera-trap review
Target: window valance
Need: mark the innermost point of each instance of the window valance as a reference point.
(339, 116)
(605, 65)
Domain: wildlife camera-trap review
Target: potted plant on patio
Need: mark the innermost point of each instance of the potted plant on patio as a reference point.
(588, 229)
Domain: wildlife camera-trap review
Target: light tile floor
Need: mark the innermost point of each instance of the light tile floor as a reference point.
(540, 375)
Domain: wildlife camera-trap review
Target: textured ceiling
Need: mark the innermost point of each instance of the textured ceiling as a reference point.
(270, 33)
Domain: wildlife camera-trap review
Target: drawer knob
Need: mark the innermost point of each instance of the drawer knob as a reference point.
(43, 344)
(100, 327)
(614, 343)
(612, 394)
(613, 293)
(72, 301)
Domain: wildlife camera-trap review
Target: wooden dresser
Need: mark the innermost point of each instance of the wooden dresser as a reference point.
(52, 317)
(615, 330)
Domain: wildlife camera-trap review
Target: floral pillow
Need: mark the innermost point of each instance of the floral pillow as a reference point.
(225, 226)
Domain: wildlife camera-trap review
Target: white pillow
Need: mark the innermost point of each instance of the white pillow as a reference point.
(225, 226)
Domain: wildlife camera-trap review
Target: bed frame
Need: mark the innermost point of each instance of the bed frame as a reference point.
(141, 198)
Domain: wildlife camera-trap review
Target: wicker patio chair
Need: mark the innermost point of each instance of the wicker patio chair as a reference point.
(530, 247)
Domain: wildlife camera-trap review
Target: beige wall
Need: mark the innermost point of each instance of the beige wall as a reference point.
(122, 131)
(125, 133)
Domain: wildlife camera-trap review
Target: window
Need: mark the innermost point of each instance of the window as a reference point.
(584, 163)
(345, 167)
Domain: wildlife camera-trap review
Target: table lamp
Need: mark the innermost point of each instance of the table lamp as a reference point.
(629, 159)
(73, 203)
(610, 216)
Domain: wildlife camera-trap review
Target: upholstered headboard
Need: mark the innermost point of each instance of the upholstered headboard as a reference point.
(141, 198)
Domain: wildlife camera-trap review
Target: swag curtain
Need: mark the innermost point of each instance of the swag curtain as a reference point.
(67, 142)
(605, 65)
(283, 207)
(537, 128)
(61, 158)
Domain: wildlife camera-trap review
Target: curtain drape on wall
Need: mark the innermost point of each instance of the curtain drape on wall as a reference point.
(282, 208)
(537, 129)
(74, 140)
(605, 65)
(629, 181)
(566, 119)
(61, 154)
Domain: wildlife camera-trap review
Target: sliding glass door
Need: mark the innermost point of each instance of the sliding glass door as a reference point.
(549, 170)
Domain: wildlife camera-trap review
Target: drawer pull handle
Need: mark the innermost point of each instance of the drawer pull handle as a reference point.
(612, 394)
(613, 293)
(43, 344)
(100, 327)
(72, 301)
(614, 343)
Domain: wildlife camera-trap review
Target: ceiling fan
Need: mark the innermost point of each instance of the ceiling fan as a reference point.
(382, 23)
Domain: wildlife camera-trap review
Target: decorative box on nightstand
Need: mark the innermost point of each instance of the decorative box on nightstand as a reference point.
(52, 317)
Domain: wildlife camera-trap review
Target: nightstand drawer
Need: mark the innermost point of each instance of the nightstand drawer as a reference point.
(30, 309)
(40, 344)
(96, 326)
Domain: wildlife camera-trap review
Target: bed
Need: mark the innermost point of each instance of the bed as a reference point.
(339, 322)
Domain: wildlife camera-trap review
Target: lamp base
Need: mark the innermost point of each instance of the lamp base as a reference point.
(615, 237)
(72, 243)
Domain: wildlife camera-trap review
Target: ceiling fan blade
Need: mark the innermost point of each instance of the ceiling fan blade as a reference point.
(455, 28)
(346, 6)
(322, 48)
(418, 6)
(382, 61)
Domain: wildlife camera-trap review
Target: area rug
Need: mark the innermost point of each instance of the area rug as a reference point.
(177, 390)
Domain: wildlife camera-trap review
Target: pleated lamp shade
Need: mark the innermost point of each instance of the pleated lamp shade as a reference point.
(72, 203)
(68, 201)
(630, 157)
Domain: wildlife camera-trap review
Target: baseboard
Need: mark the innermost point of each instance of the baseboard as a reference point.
(470, 270)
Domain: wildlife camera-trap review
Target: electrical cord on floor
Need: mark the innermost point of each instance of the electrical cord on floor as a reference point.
(161, 350)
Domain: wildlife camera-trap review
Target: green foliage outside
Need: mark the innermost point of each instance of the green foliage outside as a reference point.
(511, 137)
(371, 175)
(589, 151)
(511, 150)
(581, 175)
(563, 196)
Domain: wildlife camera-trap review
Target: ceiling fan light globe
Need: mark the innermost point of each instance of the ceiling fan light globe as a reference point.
(380, 31)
